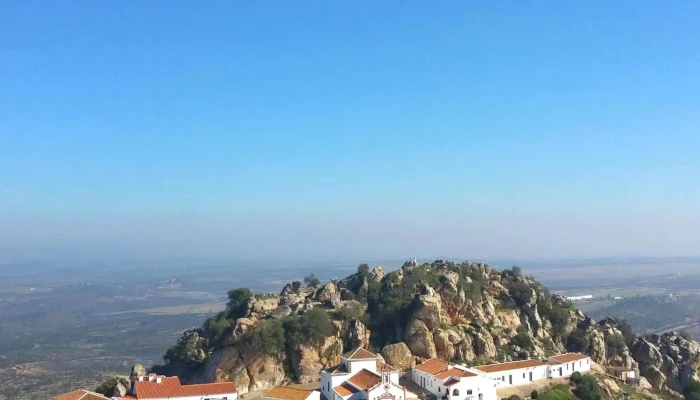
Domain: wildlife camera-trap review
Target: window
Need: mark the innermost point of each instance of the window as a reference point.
(469, 391)
(503, 378)
(438, 389)
(455, 392)
(523, 375)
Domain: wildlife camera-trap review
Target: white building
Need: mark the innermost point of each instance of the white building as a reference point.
(580, 298)
(564, 365)
(516, 373)
(157, 387)
(362, 376)
(480, 383)
(289, 393)
(448, 381)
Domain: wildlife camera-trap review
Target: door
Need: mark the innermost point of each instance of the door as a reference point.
(530, 376)
(510, 379)
(573, 366)
(560, 371)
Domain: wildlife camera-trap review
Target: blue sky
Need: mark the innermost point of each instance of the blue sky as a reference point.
(350, 129)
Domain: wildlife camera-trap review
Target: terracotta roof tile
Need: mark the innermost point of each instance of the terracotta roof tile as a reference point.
(511, 365)
(384, 367)
(568, 357)
(345, 390)
(454, 372)
(287, 393)
(433, 366)
(81, 395)
(359, 354)
(365, 379)
(171, 387)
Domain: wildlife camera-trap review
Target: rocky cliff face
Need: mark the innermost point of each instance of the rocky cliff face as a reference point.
(463, 312)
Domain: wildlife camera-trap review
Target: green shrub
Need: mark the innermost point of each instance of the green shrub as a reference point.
(534, 394)
(238, 302)
(514, 397)
(576, 377)
(692, 390)
(616, 344)
(267, 336)
(522, 340)
(578, 341)
(588, 389)
(313, 326)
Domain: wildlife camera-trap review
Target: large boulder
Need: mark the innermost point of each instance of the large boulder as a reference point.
(357, 335)
(226, 365)
(419, 339)
(398, 355)
(308, 360)
(484, 345)
(329, 294)
(443, 345)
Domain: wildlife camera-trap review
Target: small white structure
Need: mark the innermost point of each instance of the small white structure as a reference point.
(289, 393)
(580, 298)
(158, 387)
(448, 381)
(564, 365)
(361, 375)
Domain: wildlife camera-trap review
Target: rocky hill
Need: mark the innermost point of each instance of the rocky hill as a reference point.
(464, 312)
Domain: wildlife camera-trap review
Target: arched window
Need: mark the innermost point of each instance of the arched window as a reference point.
(455, 392)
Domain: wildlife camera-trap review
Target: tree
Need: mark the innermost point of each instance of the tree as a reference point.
(616, 344)
(609, 297)
(238, 302)
(692, 390)
(363, 270)
(517, 271)
(577, 341)
(296, 285)
(312, 281)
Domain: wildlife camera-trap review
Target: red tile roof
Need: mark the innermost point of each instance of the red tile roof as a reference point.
(365, 379)
(360, 354)
(171, 387)
(451, 382)
(454, 372)
(510, 365)
(568, 357)
(345, 390)
(81, 395)
(287, 393)
(433, 366)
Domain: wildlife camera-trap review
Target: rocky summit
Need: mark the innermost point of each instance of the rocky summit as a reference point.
(464, 312)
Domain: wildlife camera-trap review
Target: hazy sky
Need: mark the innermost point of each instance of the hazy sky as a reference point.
(356, 129)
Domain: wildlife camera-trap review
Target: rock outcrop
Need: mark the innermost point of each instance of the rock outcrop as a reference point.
(455, 311)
